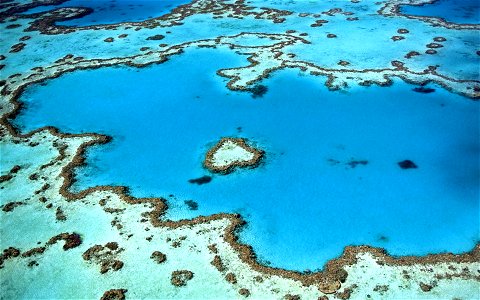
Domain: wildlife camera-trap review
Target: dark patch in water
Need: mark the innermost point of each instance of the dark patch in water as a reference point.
(258, 91)
(423, 90)
(407, 164)
(192, 205)
(201, 180)
(355, 163)
(383, 238)
(333, 162)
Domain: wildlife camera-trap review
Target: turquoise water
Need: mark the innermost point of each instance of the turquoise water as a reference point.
(305, 202)
(464, 11)
(115, 11)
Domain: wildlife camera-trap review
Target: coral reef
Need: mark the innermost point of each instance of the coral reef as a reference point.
(105, 256)
(158, 257)
(114, 294)
(230, 153)
(72, 240)
(263, 60)
(181, 277)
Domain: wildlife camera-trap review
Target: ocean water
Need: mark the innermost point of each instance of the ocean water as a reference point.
(115, 11)
(464, 11)
(307, 200)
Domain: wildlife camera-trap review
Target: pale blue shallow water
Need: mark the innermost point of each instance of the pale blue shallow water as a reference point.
(115, 11)
(457, 11)
(301, 209)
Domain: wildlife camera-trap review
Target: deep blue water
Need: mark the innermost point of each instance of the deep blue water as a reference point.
(115, 11)
(305, 202)
(457, 11)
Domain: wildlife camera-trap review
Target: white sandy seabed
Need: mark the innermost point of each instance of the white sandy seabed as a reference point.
(229, 153)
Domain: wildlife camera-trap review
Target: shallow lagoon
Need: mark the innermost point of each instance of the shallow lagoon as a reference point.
(305, 202)
(465, 11)
(115, 11)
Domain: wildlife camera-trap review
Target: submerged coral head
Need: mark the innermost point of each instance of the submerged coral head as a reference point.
(258, 90)
(407, 164)
(423, 90)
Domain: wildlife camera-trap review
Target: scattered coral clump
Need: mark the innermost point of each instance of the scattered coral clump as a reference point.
(181, 277)
(105, 256)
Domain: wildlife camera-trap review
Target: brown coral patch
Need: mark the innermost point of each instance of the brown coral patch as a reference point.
(319, 23)
(329, 286)
(230, 277)
(346, 293)
(434, 45)
(213, 248)
(13, 26)
(158, 257)
(244, 292)
(218, 264)
(5, 178)
(104, 256)
(17, 47)
(11, 206)
(156, 37)
(181, 277)
(425, 287)
(227, 168)
(114, 294)
(439, 39)
(72, 240)
(381, 288)
(412, 54)
(60, 215)
(8, 253)
(398, 64)
(34, 251)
